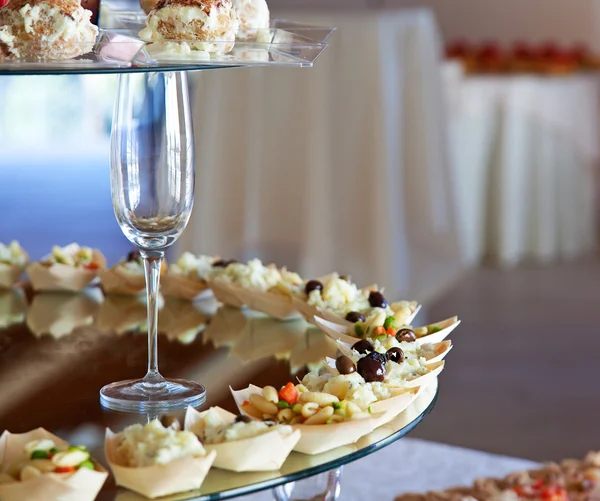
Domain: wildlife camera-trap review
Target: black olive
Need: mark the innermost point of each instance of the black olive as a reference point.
(270, 422)
(243, 419)
(381, 357)
(371, 369)
(395, 355)
(406, 335)
(363, 347)
(355, 316)
(224, 263)
(134, 256)
(377, 300)
(345, 365)
(346, 278)
(170, 422)
(313, 285)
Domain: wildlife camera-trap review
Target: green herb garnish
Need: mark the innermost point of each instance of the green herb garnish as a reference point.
(389, 322)
(282, 404)
(40, 455)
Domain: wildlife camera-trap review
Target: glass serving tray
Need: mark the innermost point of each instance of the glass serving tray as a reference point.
(57, 350)
(119, 50)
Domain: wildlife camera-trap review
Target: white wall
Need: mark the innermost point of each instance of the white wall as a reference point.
(564, 21)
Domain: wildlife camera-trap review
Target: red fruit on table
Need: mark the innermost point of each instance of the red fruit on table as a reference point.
(3, 3)
(580, 53)
(457, 50)
(490, 50)
(522, 50)
(550, 50)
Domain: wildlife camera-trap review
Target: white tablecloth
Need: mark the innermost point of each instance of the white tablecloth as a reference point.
(416, 466)
(525, 153)
(339, 167)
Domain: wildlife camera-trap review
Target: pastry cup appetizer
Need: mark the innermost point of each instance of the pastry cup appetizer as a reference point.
(242, 444)
(382, 327)
(395, 351)
(325, 421)
(13, 261)
(186, 279)
(156, 461)
(335, 298)
(39, 466)
(127, 277)
(61, 313)
(13, 306)
(70, 268)
(274, 296)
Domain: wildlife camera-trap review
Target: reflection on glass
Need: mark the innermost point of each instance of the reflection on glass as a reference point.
(181, 320)
(59, 314)
(12, 307)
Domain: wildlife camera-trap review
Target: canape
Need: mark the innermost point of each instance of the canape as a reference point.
(126, 277)
(39, 466)
(186, 278)
(70, 268)
(13, 260)
(241, 443)
(155, 461)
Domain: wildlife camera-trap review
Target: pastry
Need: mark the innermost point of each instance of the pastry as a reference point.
(155, 460)
(70, 268)
(253, 16)
(324, 420)
(127, 277)
(242, 444)
(384, 326)
(45, 29)
(13, 260)
(207, 26)
(186, 278)
(39, 466)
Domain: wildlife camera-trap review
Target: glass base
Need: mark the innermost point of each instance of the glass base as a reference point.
(324, 487)
(141, 395)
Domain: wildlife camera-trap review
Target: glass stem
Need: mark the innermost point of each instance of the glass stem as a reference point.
(152, 263)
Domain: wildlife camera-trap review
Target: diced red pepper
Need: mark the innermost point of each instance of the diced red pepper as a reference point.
(289, 393)
(92, 266)
(64, 469)
(380, 330)
(245, 402)
(391, 331)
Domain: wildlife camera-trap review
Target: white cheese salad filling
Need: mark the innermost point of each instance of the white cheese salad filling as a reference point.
(13, 254)
(214, 430)
(193, 267)
(71, 255)
(255, 275)
(153, 444)
(365, 382)
(133, 263)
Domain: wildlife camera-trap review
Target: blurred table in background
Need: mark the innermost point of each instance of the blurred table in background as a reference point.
(339, 167)
(525, 151)
(447, 467)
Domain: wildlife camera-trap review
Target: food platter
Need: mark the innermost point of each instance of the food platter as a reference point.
(118, 49)
(69, 368)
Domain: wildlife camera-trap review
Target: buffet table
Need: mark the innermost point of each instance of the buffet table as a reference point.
(294, 166)
(525, 154)
(447, 466)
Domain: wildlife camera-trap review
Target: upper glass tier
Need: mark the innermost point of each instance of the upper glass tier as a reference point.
(118, 49)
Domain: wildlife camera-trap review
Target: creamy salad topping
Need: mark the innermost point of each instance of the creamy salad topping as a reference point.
(253, 275)
(193, 267)
(213, 429)
(12, 254)
(44, 456)
(153, 444)
(71, 255)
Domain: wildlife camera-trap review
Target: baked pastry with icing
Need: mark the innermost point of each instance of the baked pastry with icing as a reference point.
(45, 29)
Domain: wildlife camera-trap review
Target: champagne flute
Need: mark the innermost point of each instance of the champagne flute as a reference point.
(152, 184)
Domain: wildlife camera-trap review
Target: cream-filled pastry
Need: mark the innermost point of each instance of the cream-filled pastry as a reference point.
(208, 26)
(45, 29)
(253, 16)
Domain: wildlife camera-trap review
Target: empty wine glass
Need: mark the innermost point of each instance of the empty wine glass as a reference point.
(152, 183)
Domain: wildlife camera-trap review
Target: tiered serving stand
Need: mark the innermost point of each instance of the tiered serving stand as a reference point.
(56, 376)
(57, 349)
